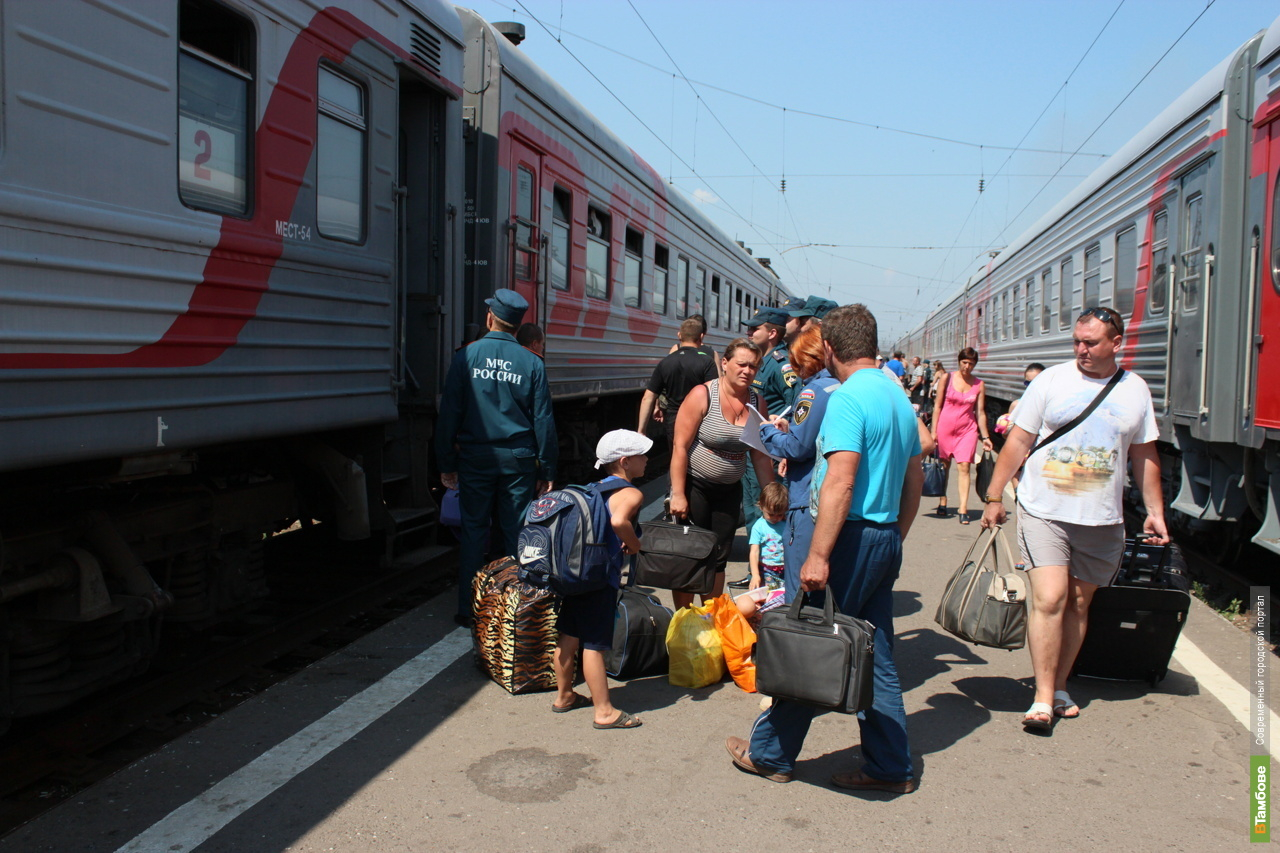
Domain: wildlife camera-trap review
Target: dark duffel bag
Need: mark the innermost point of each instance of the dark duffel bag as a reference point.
(935, 477)
(675, 556)
(639, 636)
(816, 656)
(1135, 623)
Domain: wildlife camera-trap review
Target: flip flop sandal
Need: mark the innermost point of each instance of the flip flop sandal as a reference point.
(579, 701)
(1031, 719)
(964, 519)
(624, 721)
(1061, 702)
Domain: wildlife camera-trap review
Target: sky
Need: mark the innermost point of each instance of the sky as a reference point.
(914, 137)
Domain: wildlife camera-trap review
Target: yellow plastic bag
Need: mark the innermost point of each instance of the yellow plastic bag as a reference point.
(693, 646)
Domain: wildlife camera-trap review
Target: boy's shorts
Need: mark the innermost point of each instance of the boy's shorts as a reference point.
(589, 617)
(771, 576)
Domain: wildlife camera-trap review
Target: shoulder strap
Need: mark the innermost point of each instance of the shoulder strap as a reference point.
(613, 483)
(1079, 419)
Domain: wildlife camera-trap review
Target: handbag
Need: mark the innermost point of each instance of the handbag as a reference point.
(983, 472)
(816, 656)
(986, 604)
(935, 477)
(675, 556)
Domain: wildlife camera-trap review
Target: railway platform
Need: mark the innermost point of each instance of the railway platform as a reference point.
(398, 742)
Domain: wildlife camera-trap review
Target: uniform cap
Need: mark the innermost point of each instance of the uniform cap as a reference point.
(508, 306)
(767, 314)
(823, 307)
(798, 306)
(615, 444)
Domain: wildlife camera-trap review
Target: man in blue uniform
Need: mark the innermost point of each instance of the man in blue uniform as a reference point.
(799, 316)
(866, 490)
(496, 437)
(765, 329)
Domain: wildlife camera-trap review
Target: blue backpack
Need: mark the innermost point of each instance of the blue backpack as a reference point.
(568, 542)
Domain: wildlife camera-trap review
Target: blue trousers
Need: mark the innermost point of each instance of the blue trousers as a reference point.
(750, 495)
(494, 484)
(864, 566)
(795, 548)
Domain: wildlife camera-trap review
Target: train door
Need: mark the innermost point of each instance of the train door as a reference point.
(423, 252)
(1267, 402)
(525, 234)
(1187, 358)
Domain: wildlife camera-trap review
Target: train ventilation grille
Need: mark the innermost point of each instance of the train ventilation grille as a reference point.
(425, 48)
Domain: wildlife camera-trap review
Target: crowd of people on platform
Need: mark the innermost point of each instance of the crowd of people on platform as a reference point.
(829, 491)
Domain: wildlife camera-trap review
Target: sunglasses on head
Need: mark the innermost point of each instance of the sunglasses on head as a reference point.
(1106, 315)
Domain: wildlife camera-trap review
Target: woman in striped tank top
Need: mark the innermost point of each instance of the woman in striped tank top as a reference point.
(709, 458)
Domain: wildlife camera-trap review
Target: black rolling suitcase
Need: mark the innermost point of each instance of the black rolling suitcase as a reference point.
(1135, 622)
(639, 636)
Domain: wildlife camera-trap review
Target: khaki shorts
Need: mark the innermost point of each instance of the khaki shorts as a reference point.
(1092, 554)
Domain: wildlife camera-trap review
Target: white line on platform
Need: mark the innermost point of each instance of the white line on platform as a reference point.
(190, 825)
(1214, 678)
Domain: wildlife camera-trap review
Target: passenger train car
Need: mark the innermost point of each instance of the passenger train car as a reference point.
(1177, 231)
(239, 242)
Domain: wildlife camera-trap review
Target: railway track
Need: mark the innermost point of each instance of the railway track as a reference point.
(45, 760)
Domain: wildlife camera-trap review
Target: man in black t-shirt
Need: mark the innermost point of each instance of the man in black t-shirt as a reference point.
(675, 376)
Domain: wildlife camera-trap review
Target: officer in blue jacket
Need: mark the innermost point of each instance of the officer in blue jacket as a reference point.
(766, 329)
(495, 438)
(798, 445)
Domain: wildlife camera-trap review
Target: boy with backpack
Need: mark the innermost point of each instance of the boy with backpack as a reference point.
(586, 619)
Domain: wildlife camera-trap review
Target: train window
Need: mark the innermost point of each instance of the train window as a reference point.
(1158, 289)
(1031, 306)
(726, 307)
(661, 257)
(558, 251)
(1046, 298)
(715, 308)
(1193, 257)
(1006, 316)
(738, 315)
(340, 131)
(1065, 284)
(682, 286)
(1092, 276)
(598, 236)
(632, 267)
(698, 295)
(1126, 266)
(215, 79)
(1017, 310)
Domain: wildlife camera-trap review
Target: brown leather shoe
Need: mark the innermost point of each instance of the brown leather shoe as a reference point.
(738, 749)
(859, 781)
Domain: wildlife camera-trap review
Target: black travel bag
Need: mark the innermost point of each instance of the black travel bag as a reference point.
(1135, 623)
(639, 636)
(816, 656)
(676, 556)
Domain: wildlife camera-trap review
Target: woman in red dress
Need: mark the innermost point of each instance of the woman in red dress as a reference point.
(959, 417)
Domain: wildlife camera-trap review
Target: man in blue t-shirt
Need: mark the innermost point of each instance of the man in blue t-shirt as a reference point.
(864, 495)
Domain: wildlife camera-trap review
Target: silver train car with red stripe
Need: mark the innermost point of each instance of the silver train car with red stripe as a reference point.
(239, 242)
(1177, 231)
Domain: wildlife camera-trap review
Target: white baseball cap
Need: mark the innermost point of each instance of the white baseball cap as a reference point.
(615, 444)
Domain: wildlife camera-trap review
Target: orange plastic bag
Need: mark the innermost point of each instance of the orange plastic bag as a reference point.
(738, 641)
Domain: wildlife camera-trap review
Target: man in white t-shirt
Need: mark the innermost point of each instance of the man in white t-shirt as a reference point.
(1070, 514)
